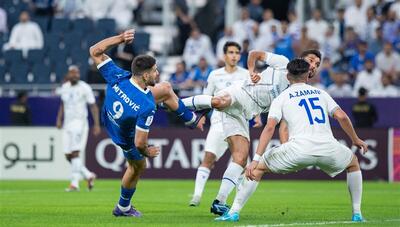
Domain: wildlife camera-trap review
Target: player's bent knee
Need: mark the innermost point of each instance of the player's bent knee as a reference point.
(354, 165)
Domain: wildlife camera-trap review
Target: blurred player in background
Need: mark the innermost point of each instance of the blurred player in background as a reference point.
(129, 110)
(75, 96)
(241, 102)
(216, 145)
(306, 110)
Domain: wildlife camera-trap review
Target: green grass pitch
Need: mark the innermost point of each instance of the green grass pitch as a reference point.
(165, 203)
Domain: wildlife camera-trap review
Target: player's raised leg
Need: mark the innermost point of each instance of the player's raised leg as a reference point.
(354, 184)
(163, 93)
(200, 102)
(128, 187)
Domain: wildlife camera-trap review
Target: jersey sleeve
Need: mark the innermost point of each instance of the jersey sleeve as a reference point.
(111, 72)
(331, 104)
(275, 110)
(209, 90)
(276, 61)
(145, 120)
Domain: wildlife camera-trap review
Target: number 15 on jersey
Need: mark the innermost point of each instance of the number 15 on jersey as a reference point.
(317, 114)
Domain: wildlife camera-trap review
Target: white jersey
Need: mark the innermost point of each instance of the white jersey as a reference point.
(220, 79)
(273, 82)
(75, 99)
(306, 109)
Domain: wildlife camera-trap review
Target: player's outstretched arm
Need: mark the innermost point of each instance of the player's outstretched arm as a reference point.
(347, 126)
(97, 50)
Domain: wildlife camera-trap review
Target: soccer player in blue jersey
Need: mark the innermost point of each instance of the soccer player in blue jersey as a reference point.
(129, 110)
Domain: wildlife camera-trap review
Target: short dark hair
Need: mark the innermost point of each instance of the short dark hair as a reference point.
(311, 51)
(231, 43)
(297, 67)
(142, 63)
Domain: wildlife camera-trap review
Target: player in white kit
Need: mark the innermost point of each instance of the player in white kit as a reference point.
(306, 111)
(75, 96)
(216, 145)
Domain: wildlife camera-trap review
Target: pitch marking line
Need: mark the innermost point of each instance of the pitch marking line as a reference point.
(318, 223)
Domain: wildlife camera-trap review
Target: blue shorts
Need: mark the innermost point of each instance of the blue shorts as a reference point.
(133, 154)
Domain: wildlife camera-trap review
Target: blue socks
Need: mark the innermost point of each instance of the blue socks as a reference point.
(126, 195)
(184, 113)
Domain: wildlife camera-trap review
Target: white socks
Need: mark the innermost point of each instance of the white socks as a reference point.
(245, 191)
(201, 179)
(78, 169)
(198, 102)
(229, 181)
(354, 183)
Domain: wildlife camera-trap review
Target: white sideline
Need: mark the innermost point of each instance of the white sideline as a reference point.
(317, 223)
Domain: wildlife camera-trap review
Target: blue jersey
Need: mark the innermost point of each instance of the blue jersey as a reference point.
(127, 107)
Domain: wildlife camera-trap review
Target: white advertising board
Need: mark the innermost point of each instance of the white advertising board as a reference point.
(32, 153)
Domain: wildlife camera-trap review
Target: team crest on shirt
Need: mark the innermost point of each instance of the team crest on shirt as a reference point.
(149, 120)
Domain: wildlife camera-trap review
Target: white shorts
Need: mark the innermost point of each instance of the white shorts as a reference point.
(215, 141)
(331, 157)
(234, 125)
(75, 134)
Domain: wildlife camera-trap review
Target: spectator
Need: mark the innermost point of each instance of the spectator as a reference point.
(304, 43)
(245, 27)
(381, 8)
(339, 23)
(199, 76)
(244, 55)
(390, 27)
(3, 21)
(340, 88)
(124, 55)
(369, 78)
(122, 12)
(326, 72)
(196, 47)
(316, 26)
(97, 9)
(184, 23)
(356, 17)
(255, 10)
(179, 79)
(387, 89)
(266, 42)
(375, 45)
(371, 25)
(20, 110)
(269, 21)
(330, 44)
(364, 113)
(349, 47)
(395, 7)
(25, 35)
(357, 61)
(284, 45)
(228, 36)
(388, 61)
(43, 7)
(71, 9)
(294, 25)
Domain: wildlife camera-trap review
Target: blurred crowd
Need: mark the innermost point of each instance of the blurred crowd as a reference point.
(359, 39)
(360, 43)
